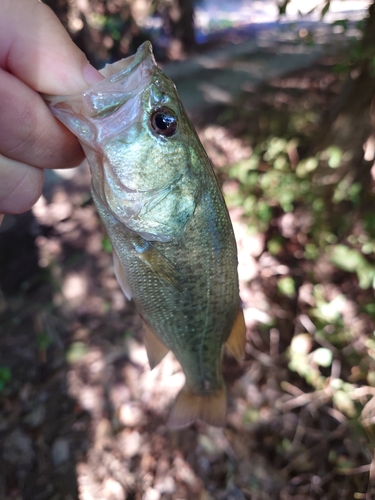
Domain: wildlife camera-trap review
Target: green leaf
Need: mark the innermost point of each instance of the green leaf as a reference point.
(275, 245)
(330, 312)
(311, 251)
(286, 286)
(5, 376)
(347, 259)
(370, 308)
(343, 401)
(264, 211)
(283, 6)
(76, 351)
(322, 357)
(354, 193)
(307, 165)
(301, 344)
(44, 340)
(335, 155)
(351, 260)
(325, 9)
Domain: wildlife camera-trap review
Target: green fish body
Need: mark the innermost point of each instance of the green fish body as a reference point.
(174, 249)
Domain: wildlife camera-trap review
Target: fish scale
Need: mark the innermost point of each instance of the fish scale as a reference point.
(181, 319)
(174, 249)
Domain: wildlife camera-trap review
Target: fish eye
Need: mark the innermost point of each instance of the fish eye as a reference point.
(164, 121)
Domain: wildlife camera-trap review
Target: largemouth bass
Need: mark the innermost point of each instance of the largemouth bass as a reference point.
(173, 245)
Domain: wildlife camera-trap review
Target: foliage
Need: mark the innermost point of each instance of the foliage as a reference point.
(108, 30)
(327, 246)
(5, 376)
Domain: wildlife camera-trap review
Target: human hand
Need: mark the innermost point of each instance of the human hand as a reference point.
(36, 55)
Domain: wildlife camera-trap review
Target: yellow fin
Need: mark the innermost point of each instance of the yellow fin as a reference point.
(236, 341)
(189, 407)
(155, 348)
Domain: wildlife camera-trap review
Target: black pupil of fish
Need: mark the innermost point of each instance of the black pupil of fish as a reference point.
(164, 122)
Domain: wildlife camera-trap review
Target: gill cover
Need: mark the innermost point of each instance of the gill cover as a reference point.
(119, 123)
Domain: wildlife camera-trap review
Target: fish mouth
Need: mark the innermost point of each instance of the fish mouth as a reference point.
(122, 80)
(143, 57)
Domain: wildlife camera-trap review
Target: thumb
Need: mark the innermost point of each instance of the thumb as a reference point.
(35, 47)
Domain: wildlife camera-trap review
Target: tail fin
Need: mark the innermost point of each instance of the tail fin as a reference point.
(189, 407)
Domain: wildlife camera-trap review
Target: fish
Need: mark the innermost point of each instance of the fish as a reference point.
(174, 249)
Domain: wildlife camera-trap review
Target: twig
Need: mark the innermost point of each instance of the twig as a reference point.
(292, 389)
(371, 480)
(274, 342)
(263, 358)
(306, 454)
(336, 414)
(299, 434)
(354, 470)
(322, 396)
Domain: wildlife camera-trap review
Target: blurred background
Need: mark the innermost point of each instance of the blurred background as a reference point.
(281, 94)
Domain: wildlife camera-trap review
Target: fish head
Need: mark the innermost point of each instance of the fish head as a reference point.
(140, 145)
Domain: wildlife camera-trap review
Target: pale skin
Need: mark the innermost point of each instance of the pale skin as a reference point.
(36, 56)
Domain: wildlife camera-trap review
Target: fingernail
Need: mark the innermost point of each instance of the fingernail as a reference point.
(91, 74)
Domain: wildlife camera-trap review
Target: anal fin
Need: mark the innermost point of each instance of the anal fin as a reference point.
(155, 348)
(236, 341)
(188, 407)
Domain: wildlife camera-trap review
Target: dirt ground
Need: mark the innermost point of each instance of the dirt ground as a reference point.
(83, 417)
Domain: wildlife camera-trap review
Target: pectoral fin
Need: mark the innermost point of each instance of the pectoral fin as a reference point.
(211, 408)
(120, 276)
(236, 341)
(160, 265)
(155, 348)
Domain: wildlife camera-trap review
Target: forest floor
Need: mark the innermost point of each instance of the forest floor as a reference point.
(82, 416)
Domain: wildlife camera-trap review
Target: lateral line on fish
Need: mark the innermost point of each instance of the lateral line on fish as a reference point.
(205, 329)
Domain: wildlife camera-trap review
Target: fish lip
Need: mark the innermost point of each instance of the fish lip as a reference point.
(114, 74)
(126, 78)
(117, 71)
